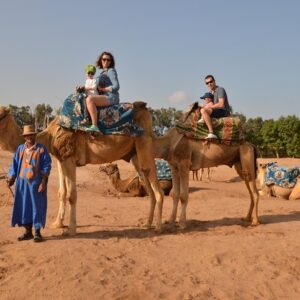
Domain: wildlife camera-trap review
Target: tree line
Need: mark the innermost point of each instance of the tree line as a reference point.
(273, 138)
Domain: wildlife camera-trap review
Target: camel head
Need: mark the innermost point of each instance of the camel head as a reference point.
(4, 111)
(109, 169)
(190, 110)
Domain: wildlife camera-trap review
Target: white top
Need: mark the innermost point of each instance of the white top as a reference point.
(91, 83)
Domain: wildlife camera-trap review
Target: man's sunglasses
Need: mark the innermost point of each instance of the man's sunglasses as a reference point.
(208, 82)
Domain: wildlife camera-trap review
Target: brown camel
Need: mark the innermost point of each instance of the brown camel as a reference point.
(185, 154)
(276, 190)
(202, 170)
(78, 149)
(132, 186)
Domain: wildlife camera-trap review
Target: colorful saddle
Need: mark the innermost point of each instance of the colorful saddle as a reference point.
(114, 119)
(163, 170)
(227, 129)
(285, 177)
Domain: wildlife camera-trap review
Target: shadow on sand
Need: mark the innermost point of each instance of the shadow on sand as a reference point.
(168, 229)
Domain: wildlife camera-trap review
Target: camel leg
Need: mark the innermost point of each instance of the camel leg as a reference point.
(135, 162)
(59, 222)
(152, 202)
(175, 193)
(246, 170)
(145, 154)
(184, 194)
(208, 174)
(68, 168)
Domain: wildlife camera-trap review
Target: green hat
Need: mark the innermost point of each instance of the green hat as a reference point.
(90, 68)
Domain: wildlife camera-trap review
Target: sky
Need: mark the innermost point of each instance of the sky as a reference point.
(163, 50)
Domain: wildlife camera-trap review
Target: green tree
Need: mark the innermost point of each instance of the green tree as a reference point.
(22, 115)
(42, 115)
(289, 135)
(252, 130)
(164, 118)
(270, 139)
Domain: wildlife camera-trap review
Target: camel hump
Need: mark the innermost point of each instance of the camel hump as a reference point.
(139, 104)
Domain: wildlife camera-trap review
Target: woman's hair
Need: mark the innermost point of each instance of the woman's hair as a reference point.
(99, 60)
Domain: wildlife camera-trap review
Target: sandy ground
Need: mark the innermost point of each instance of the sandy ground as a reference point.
(114, 257)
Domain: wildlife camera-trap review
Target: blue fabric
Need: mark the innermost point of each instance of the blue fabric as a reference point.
(114, 119)
(163, 170)
(30, 206)
(282, 176)
(109, 78)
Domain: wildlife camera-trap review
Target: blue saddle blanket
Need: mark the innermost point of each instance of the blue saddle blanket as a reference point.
(163, 170)
(282, 176)
(114, 119)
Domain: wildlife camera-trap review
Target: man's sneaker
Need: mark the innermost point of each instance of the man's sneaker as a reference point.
(211, 136)
(93, 128)
(201, 121)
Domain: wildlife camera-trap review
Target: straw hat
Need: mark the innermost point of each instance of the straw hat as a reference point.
(28, 130)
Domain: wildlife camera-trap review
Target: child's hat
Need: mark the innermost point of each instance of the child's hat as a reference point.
(207, 95)
(90, 69)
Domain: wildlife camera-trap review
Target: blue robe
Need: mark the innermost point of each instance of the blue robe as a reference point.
(30, 206)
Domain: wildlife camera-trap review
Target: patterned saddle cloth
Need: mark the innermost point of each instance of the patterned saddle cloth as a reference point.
(285, 177)
(163, 170)
(115, 119)
(227, 129)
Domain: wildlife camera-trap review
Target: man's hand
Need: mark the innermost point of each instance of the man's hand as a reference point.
(42, 186)
(10, 181)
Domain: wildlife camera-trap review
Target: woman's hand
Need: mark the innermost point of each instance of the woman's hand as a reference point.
(104, 89)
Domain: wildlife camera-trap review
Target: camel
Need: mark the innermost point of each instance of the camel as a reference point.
(276, 190)
(74, 149)
(133, 186)
(196, 174)
(185, 154)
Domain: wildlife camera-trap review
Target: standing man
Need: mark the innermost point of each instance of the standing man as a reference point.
(220, 107)
(30, 168)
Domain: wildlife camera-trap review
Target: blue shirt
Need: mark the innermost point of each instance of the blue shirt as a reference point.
(109, 78)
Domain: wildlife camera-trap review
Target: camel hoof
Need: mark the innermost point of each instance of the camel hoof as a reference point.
(147, 226)
(69, 232)
(182, 225)
(170, 222)
(56, 225)
(158, 229)
(255, 223)
(247, 219)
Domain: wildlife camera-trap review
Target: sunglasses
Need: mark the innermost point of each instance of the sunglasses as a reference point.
(208, 82)
(91, 73)
(105, 59)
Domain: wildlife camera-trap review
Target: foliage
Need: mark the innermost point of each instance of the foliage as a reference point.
(42, 115)
(164, 118)
(23, 115)
(278, 138)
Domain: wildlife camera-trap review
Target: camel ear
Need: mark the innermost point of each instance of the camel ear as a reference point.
(7, 109)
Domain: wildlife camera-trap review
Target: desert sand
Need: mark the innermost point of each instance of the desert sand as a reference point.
(112, 256)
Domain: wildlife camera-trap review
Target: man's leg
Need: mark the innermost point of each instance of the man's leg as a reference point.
(27, 235)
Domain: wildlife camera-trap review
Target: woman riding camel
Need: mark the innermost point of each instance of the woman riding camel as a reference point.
(107, 86)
